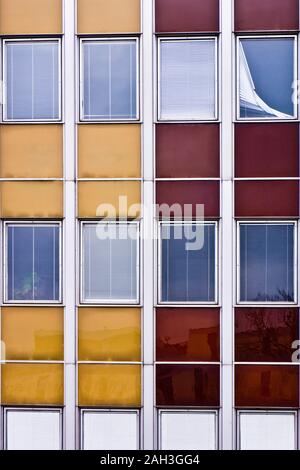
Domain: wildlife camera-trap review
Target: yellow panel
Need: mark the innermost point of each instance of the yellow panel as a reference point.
(32, 384)
(109, 151)
(31, 151)
(31, 199)
(108, 16)
(30, 17)
(33, 333)
(109, 385)
(108, 198)
(112, 334)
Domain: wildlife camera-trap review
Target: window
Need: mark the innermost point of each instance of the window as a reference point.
(188, 430)
(267, 430)
(32, 80)
(109, 81)
(267, 262)
(266, 76)
(188, 79)
(33, 429)
(109, 430)
(188, 262)
(110, 262)
(32, 269)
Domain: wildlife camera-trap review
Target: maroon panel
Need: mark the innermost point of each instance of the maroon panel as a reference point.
(186, 15)
(187, 334)
(271, 386)
(189, 192)
(187, 151)
(265, 334)
(187, 385)
(266, 199)
(266, 150)
(266, 15)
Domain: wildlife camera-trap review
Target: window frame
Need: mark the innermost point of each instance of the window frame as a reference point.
(7, 409)
(238, 263)
(109, 39)
(184, 38)
(266, 412)
(6, 41)
(126, 411)
(114, 302)
(161, 302)
(240, 37)
(5, 261)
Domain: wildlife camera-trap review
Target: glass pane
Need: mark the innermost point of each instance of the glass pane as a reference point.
(266, 263)
(188, 431)
(266, 76)
(110, 80)
(33, 430)
(32, 80)
(188, 79)
(267, 431)
(188, 263)
(110, 262)
(33, 263)
(109, 431)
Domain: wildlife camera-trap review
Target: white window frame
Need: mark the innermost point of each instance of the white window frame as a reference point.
(188, 411)
(265, 412)
(5, 260)
(262, 36)
(60, 84)
(159, 264)
(238, 263)
(108, 40)
(138, 261)
(33, 410)
(181, 39)
(108, 410)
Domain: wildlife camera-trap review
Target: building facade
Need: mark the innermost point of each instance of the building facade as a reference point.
(123, 123)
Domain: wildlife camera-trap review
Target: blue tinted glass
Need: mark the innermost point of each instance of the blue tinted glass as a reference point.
(266, 263)
(188, 275)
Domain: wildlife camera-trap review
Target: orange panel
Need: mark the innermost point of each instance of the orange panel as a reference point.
(109, 151)
(32, 384)
(102, 198)
(112, 334)
(30, 17)
(108, 16)
(33, 333)
(109, 385)
(31, 199)
(31, 151)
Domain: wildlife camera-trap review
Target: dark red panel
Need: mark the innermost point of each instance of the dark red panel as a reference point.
(187, 151)
(267, 150)
(265, 334)
(186, 15)
(266, 15)
(187, 385)
(189, 192)
(270, 386)
(266, 199)
(188, 334)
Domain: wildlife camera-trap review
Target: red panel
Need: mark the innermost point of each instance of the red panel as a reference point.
(265, 334)
(187, 151)
(189, 192)
(266, 150)
(270, 386)
(266, 15)
(187, 334)
(266, 199)
(186, 15)
(187, 385)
